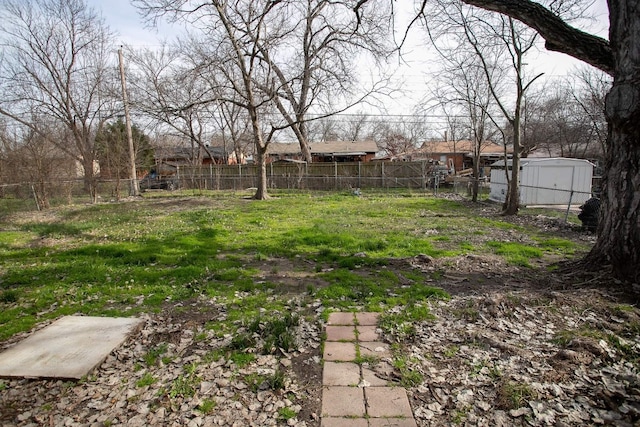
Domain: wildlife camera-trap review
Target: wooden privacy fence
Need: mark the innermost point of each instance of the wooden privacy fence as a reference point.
(313, 176)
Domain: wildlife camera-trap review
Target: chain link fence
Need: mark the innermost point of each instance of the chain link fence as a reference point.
(415, 176)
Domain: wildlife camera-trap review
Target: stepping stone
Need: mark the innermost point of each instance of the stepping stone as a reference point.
(374, 348)
(367, 319)
(367, 333)
(387, 402)
(341, 318)
(340, 333)
(370, 377)
(392, 422)
(340, 401)
(344, 374)
(339, 351)
(344, 422)
(69, 348)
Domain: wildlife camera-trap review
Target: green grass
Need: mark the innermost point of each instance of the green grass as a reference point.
(120, 259)
(146, 380)
(516, 253)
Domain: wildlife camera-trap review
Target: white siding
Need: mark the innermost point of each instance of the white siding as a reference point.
(555, 181)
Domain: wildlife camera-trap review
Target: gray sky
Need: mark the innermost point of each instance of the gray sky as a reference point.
(125, 20)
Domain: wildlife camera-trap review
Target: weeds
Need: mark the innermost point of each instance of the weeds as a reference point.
(207, 406)
(513, 395)
(146, 380)
(286, 413)
(152, 356)
(258, 382)
(408, 376)
(9, 296)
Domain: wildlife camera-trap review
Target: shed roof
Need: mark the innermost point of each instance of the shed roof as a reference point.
(540, 161)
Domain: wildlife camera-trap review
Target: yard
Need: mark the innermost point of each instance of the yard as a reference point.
(488, 322)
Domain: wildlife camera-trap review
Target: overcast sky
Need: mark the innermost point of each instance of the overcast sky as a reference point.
(125, 20)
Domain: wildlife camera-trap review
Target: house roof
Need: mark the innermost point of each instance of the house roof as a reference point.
(463, 147)
(186, 153)
(323, 148)
(283, 148)
(344, 147)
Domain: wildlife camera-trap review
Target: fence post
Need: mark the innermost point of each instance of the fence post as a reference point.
(35, 197)
(382, 174)
(566, 215)
(335, 173)
(359, 176)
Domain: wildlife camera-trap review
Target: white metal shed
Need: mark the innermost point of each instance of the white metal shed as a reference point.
(552, 181)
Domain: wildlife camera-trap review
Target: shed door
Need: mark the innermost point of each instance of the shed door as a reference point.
(554, 185)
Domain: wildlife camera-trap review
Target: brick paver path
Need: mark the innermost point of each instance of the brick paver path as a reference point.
(352, 395)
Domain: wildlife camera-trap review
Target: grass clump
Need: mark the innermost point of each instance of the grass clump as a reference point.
(259, 382)
(186, 384)
(514, 395)
(146, 380)
(408, 377)
(207, 406)
(9, 296)
(286, 413)
(401, 324)
(152, 356)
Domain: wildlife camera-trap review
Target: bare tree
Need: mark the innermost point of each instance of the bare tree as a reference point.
(589, 89)
(324, 129)
(233, 36)
(322, 64)
(173, 95)
(56, 66)
(618, 243)
(33, 165)
(557, 122)
(400, 138)
(465, 96)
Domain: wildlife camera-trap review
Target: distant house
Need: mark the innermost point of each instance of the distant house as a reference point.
(458, 155)
(169, 158)
(334, 151)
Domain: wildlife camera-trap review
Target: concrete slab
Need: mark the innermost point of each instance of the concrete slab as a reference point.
(69, 348)
(385, 402)
(375, 349)
(367, 333)
(372, 379)
(341, 318)
(344, 422)
(344, 374)
(367, 319)
(339, 351)
(342, 402)
(392, 422)
(340, 333)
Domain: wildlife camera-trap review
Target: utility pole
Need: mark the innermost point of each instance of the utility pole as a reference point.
(134, 188)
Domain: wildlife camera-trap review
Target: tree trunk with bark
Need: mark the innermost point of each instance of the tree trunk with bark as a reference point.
(261, 192)
(619, 227)
(475, 178)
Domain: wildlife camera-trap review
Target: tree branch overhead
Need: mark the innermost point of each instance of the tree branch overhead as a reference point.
(559, 36)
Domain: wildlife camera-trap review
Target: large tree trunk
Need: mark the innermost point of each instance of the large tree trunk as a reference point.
(475, 177)
(261, 192)
(619, 228)
(512, 202)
